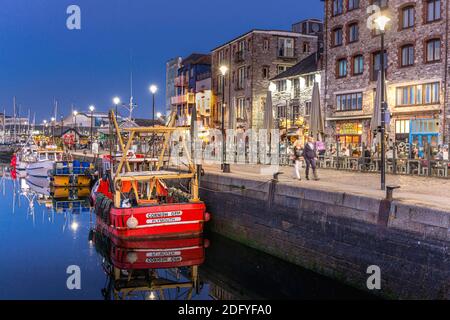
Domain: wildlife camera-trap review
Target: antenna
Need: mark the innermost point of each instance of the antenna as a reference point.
(131, 106)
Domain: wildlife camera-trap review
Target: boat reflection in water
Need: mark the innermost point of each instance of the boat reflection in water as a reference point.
(150, 269)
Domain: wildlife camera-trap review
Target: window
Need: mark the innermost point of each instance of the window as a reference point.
(380, 3)
(309, 80)
(266, 45)
(286, 47)
(407, 55)
(296, 86)
(402, 126)
(282, 86)
(342, 68)
(376, 64)
(306, 47)
(353, 4)
(241, 78)
(220, 83)
(418, 94)
(296, 112)
(221, 56)
(407, 17)
(433, 50)
(281, 69)
(358, 64)
(308, 108)
(338, 7)
(265, 72)
(353, 32)
(337, 37)
(349, 101)
(240, 108)
(281, 111)
(433, 10)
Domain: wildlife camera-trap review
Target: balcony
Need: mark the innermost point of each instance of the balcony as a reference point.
(239, 57)
(181, 81)
(183, 99)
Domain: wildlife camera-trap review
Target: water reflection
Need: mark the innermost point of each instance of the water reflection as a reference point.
(150, 270)
(63, 232)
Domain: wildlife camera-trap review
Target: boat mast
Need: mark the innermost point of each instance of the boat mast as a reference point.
(14, 120)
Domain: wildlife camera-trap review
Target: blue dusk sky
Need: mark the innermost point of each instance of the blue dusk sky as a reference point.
(40, 59)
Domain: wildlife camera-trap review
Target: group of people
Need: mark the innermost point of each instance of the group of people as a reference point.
(309, 152)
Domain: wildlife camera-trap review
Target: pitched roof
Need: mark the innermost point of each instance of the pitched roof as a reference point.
(308, 65)
(197, 58)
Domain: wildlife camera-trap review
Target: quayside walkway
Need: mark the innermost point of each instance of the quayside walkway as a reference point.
(420, 191)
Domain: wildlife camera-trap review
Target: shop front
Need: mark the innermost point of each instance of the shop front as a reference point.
(418, 134)
(349, 135)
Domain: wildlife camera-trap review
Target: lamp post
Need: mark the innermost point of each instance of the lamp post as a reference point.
(116, 102)
(153, 89)
(45, 126)
(92, 108)
(225, 165)
(381, 23)
(53, 119)
(75, 113)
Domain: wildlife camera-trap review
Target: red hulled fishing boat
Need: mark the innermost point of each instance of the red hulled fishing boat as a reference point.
(139, 204)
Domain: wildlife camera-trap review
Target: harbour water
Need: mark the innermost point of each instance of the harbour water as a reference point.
(43, 238)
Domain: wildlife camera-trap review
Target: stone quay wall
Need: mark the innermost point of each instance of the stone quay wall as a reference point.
(336, 234)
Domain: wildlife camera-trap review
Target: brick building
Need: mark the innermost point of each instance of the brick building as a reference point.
(416, 65)
(292, 95)
(252, 60)
(192, 87)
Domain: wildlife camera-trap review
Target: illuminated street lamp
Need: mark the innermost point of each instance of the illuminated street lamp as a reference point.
(116, 102)
(92, 108)
(225, 166)
(381, 23)
(153, 89)
(75, 113)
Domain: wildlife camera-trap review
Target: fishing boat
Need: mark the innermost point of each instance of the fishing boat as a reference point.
(71, 174)
(139, 204)
(42, 161)
(150, 268)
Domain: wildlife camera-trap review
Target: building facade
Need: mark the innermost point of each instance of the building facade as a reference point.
(192, 88)
(172, 67)
(292, 94)
(252, 60)
(416, 64)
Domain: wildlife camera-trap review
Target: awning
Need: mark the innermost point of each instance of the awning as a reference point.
(362, 117)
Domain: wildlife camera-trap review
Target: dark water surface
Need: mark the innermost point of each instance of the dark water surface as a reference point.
(40, 237)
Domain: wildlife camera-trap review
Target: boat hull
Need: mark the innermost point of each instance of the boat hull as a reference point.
(159, 221)
(39, 169)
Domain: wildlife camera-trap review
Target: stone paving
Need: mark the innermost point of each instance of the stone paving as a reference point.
(422, 191)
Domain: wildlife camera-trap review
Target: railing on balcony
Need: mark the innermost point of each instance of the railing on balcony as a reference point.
(182, 99)
(181, 81)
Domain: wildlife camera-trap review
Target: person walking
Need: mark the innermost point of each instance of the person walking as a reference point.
(310, 156)
(298, 153)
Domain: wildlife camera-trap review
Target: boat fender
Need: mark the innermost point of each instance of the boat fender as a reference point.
(132, 222)
(132, 257)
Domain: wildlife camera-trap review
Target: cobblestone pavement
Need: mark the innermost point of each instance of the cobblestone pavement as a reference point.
(423, 191)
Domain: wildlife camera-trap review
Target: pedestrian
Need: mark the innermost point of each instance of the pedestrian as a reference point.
(310, 156)
(297, 154)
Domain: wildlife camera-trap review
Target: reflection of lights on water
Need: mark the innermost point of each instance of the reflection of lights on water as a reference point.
(152, 296)
(74, 226)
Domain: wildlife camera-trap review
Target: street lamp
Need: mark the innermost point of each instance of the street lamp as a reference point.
(153, 89)
(116, 102)
(92, 108)
(225, 166)
(53, 119)
(75, 113)
(381, 23)
(45, 125)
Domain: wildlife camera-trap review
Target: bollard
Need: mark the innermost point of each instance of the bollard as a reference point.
(390, 192)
